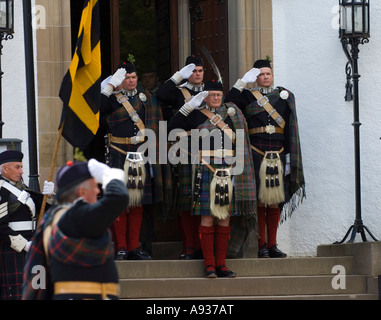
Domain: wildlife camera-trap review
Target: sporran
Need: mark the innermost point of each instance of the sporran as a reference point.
(221, 193)
(136, 174)
(271, 188)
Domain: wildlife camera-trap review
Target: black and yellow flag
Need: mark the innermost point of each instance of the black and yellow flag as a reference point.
(80, 89)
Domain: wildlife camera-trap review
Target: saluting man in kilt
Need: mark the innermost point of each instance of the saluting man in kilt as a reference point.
(19, 207)
(172, 94)
(274, 137)
(218, 193)
(127, 113)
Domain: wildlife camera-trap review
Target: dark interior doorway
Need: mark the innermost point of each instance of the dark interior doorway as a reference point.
(145, 33)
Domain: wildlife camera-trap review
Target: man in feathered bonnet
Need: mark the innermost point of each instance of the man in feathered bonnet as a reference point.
(127, 113)
(180, 88)
(273, 127)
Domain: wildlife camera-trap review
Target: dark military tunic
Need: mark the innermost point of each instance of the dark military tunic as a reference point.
(262, 141)
(12, 262)
(120, 124)
(171, 97)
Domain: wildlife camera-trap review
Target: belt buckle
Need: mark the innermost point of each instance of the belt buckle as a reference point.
(135, 140)
(122, 99)
(23, 197)
(270, 129)
(218, 116)
(262, 104)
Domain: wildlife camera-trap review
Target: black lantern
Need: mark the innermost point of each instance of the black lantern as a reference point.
(6, 18)
(6, 32)
(354, 30)
(354, 19)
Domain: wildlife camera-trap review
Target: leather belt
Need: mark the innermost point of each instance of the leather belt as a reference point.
(127, 140)
(270, 129)
(218, 153)
(83, 287)
(263, 153)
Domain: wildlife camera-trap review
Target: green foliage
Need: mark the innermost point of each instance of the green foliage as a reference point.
(79, 156)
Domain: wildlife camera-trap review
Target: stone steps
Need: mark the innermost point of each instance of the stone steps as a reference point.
(243, 267)
(292, 278)
(239, 287)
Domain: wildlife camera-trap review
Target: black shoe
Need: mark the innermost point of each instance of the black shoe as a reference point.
(274, 252)
(224, 272)
(263, 252)
(138, 254)
(121, 254)
(188, 254)
(210, 272)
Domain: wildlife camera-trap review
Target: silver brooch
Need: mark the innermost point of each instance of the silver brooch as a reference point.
(134, 116)
(142, 97)
(284, 94)
(231, 112)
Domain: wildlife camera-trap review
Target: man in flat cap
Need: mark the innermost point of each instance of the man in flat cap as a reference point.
(180, 88)
(274, 137)
(73, 245)
(19, 207)
(127, 113)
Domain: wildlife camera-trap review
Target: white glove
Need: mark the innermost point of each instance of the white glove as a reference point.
(184, 73)
(187, 71)
(48, 188)
(27, 246)
(118, 77)
(251, 76)
(97, 170)
(196, 101)
(113, 174)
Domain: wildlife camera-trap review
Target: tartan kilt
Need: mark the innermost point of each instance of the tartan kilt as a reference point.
(202, 205)
(183, 188)
(11, 273)
(265, 145)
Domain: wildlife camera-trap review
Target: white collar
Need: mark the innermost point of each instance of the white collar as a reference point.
(193, 87)
(127, 92)
(265, 90)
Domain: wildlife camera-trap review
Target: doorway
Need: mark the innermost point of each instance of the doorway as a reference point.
(145, 34)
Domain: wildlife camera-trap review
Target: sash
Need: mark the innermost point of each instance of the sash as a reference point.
(219, 122)
(22, 196)
(265, 103)
(186, 94)
(122, 99)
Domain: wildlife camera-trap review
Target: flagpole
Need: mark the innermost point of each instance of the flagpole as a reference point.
(52, 166)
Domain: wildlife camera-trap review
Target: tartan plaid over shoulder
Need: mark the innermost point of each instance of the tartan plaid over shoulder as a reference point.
(294, 182)
(36, 257)
(244, 183)
(82, 252)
